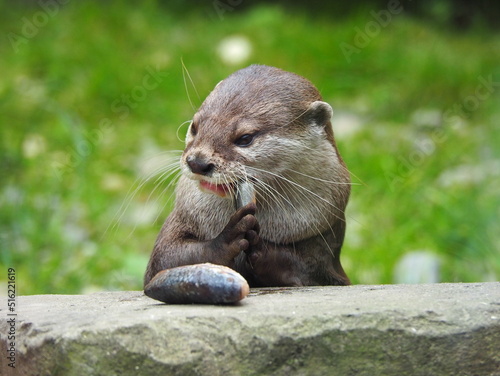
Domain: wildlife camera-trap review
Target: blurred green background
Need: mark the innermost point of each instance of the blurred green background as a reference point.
(92, 93)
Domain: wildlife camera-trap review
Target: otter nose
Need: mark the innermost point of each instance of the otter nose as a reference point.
(199, 166)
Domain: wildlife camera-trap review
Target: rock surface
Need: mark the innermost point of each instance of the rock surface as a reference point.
(441, 329)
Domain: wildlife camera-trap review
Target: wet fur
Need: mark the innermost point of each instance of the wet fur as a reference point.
(294, 235)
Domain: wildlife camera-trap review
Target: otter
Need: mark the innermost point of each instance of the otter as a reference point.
(269, 127)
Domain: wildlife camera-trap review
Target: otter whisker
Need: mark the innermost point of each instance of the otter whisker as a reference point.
(303, 188)
(267, 189)
(294, 119)
(170, 170)
(318, 209)
(185, 73)
(174, 180)
(332, 182)
(179, 127)
(294, 189)
(357, 177)
(298, 189)
(320, 179)
(139, 183)
(280, 199)
(164, 176)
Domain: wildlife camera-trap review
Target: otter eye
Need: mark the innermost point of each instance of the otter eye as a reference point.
(244, 140)
(194, 129)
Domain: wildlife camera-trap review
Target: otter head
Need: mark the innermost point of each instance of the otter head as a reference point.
(260, 123)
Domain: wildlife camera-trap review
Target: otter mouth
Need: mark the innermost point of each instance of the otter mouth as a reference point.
(222, 190)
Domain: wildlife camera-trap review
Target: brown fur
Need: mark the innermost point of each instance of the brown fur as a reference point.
(293, 235)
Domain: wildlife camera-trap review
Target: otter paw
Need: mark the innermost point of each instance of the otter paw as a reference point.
(241, 232)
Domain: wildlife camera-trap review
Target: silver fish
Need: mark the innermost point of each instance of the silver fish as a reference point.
(245, 194)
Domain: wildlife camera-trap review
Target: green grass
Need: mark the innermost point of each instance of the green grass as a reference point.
(71, 149)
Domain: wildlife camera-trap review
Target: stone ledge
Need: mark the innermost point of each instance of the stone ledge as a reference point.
(442, 329)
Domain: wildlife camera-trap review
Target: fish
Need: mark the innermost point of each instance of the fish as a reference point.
(245, 194)
(198, 284)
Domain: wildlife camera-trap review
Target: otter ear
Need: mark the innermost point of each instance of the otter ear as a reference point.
(320, 113)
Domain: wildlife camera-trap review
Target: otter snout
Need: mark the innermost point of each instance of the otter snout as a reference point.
(199, 165)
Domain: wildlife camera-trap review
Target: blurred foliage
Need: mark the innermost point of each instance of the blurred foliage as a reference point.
(90, 91)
